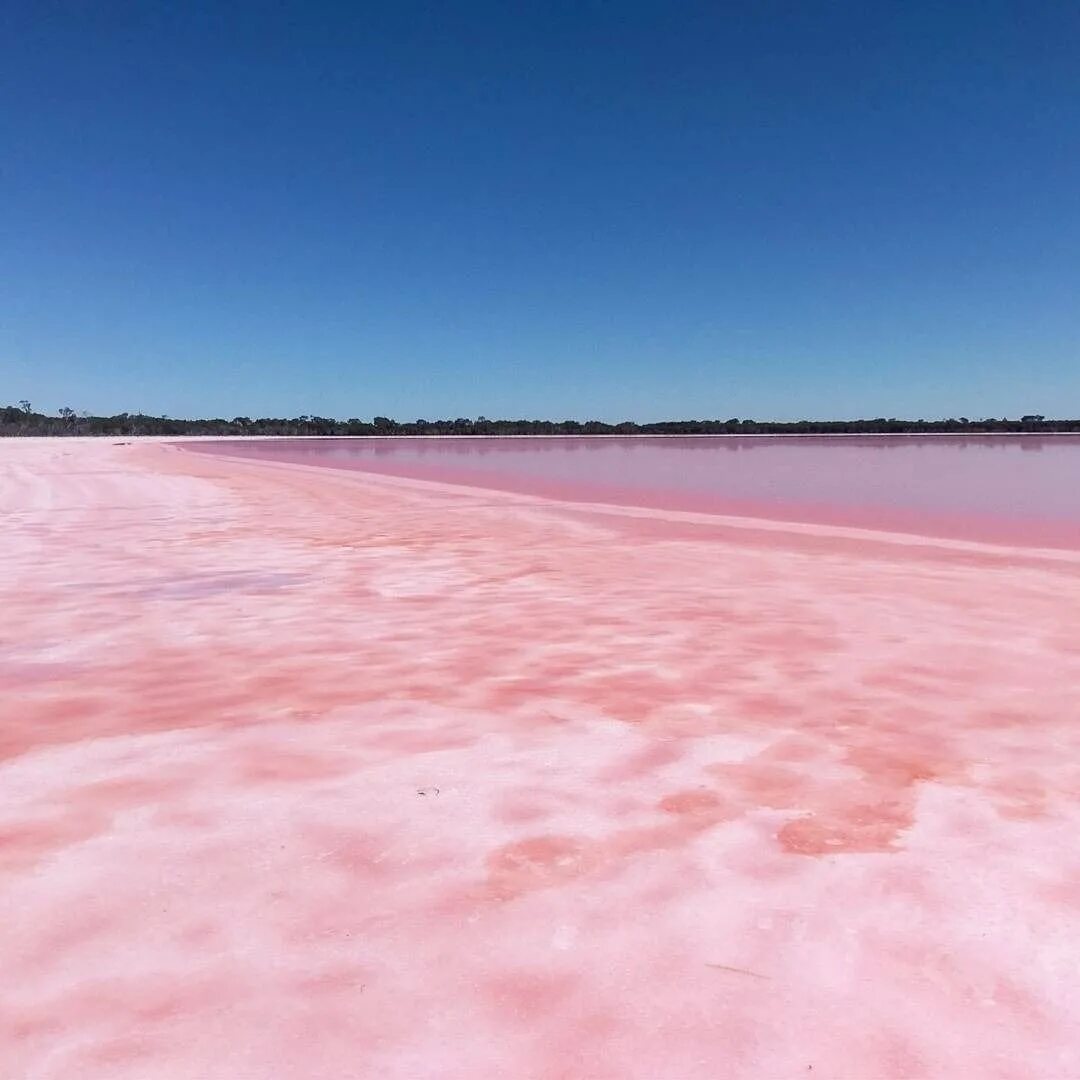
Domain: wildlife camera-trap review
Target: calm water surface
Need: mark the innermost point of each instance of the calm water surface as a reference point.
(1019, 489)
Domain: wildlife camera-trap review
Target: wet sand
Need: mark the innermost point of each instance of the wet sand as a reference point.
(315, 774)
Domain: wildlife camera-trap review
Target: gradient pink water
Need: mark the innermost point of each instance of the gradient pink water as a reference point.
(1011, 489)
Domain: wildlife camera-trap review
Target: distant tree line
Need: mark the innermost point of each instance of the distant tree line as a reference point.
(21, 419)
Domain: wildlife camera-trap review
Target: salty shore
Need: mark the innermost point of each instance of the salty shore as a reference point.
(315, 774)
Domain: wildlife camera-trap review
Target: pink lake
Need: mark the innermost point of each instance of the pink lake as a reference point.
(1011, 489)
(311, 773)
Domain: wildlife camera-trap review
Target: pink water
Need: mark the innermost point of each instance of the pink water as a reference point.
(1012, 489)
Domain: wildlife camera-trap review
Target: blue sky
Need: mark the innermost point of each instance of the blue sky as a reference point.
(611, 210)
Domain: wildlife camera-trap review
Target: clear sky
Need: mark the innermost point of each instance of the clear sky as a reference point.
(634, 210)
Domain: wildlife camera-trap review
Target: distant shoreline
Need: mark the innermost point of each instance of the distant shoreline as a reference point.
(659, 435)
(22, 421)
(643, 435)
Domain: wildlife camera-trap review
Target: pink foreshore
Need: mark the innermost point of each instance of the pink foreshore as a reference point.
(320, 775)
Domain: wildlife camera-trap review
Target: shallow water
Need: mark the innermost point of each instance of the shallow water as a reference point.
(1005, 489)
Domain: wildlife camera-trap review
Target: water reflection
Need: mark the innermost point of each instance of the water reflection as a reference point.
(947, 485)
